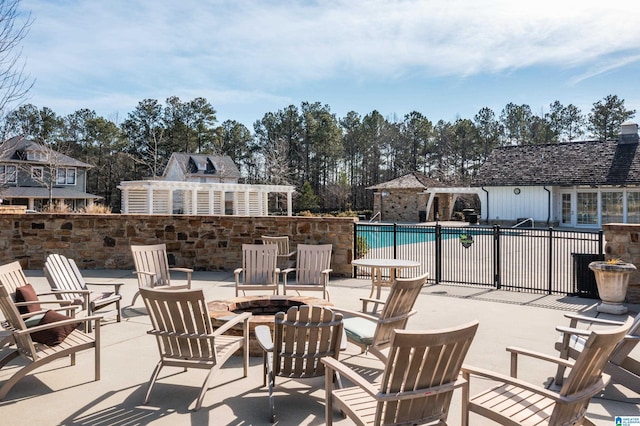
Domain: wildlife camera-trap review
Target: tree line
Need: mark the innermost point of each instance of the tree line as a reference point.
(330, 160)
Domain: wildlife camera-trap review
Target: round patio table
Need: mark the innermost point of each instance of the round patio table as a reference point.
(377, 265)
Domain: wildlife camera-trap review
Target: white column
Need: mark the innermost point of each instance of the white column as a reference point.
(149, 200)
(194, 201)
(170, 201)
(289, 203)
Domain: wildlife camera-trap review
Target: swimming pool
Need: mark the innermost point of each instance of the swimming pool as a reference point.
(381, 236)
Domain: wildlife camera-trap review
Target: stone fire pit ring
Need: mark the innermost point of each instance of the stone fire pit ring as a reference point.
(263, 308)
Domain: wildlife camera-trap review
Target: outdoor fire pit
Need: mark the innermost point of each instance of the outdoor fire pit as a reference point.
(263, 309)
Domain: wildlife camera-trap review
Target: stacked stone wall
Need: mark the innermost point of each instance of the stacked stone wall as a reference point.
(210, 243)
(623, 242)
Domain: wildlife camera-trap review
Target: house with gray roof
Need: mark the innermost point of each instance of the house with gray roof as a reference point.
(575, 184)
(203, 184)
(33, 175)
(408, 199)
(204, 168)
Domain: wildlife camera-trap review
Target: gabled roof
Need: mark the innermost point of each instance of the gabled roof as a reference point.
(572, 163)
(9, 153)
(221, 166)
(409, 181)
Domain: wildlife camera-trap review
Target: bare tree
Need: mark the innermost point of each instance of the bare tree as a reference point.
(14, 84)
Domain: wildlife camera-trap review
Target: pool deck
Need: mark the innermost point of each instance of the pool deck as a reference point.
(62, 394)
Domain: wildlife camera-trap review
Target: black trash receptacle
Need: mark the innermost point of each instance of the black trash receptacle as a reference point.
(422, 216)
(584, 280)
(472, 218)
(466, 213)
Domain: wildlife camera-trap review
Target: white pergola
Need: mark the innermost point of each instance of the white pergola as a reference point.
(195, 198)
(452, 190)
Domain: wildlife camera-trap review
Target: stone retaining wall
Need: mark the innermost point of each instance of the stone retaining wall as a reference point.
(200, 242)
(623, 242)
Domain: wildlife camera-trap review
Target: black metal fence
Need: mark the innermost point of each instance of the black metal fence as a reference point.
(532, 260)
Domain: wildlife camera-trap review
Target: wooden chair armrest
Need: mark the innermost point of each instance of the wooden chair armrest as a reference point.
(263, 335)
(288, 270)
(232, 321)
(58, 323)
(151, 274)
(574, 331)
(187, 270)
(45, 302)
(396, 318)
(71, 291)
(348, 312)
(237, 271)
(116, 286)
(533, 354)
(581, 318)
(366, 300)
(290, 253)
(326, 271)
(468, 370)
(332, 364)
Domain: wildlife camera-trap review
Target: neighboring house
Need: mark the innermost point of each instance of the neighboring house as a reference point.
(407, 199)
(25, 176)
(198, 184)
(574, 184)
(201, 168)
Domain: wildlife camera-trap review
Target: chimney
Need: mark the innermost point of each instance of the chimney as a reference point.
(628, 133)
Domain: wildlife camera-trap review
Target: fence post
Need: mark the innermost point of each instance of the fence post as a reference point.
(497, 280)
(438, 255)
(550, 263)
(600, 241)
(395, 240)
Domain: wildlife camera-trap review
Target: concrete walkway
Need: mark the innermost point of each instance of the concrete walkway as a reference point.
(61, 394)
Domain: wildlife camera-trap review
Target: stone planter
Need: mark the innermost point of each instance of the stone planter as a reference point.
(612, 280)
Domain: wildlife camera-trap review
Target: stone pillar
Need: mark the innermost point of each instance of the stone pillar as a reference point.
(622, 241)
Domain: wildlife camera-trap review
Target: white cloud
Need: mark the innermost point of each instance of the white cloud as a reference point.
(226, 46)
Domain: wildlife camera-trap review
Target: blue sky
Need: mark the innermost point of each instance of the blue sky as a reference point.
(443, 58)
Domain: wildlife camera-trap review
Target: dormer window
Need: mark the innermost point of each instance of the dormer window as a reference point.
(36, 156)
(211, 169)
(192, 166)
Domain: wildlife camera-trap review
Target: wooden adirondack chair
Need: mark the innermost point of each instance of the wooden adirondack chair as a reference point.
(180, 321)
(516, 402)
(373, 332)
(67, 283)
(35, 354)
(259, 270)
(286, 256)
(420, 375)
(302, 337)
(11, 277)
(152, 268)
(622, 367)
(312, 270)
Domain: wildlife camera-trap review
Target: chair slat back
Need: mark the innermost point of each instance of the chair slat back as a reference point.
(397, 309)
(302, 336)
(311, 261)
(585, 378)
(626, 346)
(151, 258)
(259, 264)
(419, 360)
(62, 273)
(179, 319)
(14, 321)
(281, 242)
(11, 277)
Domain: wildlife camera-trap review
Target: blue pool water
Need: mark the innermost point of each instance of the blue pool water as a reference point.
(382, 236)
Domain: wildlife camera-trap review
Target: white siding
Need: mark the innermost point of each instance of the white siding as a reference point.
(504, 204)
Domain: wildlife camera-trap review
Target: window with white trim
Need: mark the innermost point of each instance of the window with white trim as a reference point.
(66, 176)
(37, 172)
(8, 174)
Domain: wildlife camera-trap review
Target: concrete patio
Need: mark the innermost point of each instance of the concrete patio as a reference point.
(61, 394)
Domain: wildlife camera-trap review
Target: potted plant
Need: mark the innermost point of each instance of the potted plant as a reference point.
(612, 279)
